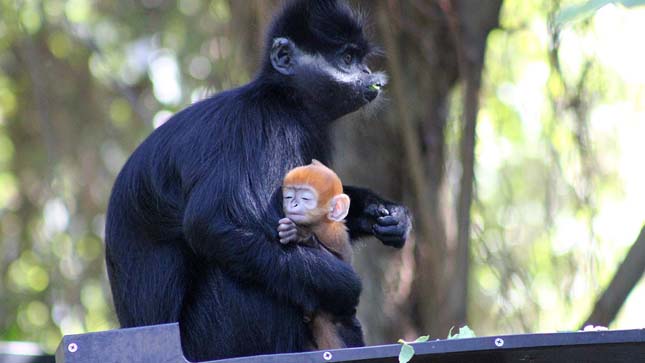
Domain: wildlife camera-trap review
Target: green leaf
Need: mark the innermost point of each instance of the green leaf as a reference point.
(450, 336)
(421, 339)
(464, 332)
(407, 352)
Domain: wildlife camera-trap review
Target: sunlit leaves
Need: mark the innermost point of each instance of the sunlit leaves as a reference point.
(165, 76)
(219, 10)
(34, 314)
(108, 35)
(78, 11)
(89, 248)
(589, 7)
(6, 150)
(54, 9)
(92, 296)
(55, 216)
(30, 17)
(8, 189)
(59, 44)
(27, 274)
(537, 227)
(121, 113)
(58, 158)
(189, 7)
(175, 35)
(200, 67)
(7, 98)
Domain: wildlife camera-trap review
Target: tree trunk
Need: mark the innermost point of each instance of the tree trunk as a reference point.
(471, 24)
(628, 274)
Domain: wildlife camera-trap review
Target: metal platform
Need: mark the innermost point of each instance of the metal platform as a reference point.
(161, 343)
(23, 352)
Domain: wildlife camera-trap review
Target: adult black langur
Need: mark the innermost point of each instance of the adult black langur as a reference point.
(191, 232)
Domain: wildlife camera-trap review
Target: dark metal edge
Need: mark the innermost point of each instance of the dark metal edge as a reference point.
(379, 351)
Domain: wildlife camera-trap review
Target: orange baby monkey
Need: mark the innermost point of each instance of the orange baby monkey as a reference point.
(315, 208)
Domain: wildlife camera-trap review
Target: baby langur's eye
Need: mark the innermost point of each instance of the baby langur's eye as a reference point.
(348, 58)
(305, 198)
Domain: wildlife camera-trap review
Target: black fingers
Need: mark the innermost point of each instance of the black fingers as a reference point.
(377, 210)
(392, 227)
(387, 221)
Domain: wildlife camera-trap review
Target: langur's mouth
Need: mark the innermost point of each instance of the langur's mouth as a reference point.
(295, 216)
(373, 89)
(371, 92)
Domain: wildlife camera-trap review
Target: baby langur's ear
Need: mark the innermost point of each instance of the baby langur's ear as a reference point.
(339, 207)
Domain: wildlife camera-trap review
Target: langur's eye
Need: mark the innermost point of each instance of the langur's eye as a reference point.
(288, 197)
(348, 58)
(306, 198)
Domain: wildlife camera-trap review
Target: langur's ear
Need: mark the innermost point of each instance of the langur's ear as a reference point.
(339, 207)
(282, 55)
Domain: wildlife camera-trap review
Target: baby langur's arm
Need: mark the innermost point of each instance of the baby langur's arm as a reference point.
(290, 232)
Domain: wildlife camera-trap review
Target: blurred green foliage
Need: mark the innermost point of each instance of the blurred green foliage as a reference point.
(78, 91)
(548, 233)
(588, 7)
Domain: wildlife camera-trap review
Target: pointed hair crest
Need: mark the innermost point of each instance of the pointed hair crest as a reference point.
(319, 25)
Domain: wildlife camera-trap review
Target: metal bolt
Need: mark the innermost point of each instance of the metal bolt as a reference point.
(499, 342)
(72, 347)
(327, 356)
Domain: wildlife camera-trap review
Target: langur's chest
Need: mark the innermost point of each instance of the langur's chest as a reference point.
(295, 144)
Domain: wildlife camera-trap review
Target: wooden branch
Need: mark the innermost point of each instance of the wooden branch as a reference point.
(629, 273)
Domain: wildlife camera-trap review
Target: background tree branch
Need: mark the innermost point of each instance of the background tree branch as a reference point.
(628, 274)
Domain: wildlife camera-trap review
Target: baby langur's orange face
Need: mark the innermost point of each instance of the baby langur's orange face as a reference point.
(300, 203)
(314, 194)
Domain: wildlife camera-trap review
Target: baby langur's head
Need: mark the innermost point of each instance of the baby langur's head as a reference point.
(313, 194)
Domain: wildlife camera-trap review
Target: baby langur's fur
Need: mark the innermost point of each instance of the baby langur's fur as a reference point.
(316, 207)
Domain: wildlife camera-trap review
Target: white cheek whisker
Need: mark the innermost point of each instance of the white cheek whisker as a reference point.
(381, 77)
(322, 64)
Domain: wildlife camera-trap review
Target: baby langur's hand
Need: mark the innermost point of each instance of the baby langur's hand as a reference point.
(288, 231)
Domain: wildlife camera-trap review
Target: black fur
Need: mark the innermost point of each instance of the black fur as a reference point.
(191, 225)
(319, 26)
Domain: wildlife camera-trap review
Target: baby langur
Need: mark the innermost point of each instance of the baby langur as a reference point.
(315, 208)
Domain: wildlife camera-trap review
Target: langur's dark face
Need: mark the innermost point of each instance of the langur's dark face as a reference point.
(332, 83)
(339, 82)
(319, 49)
